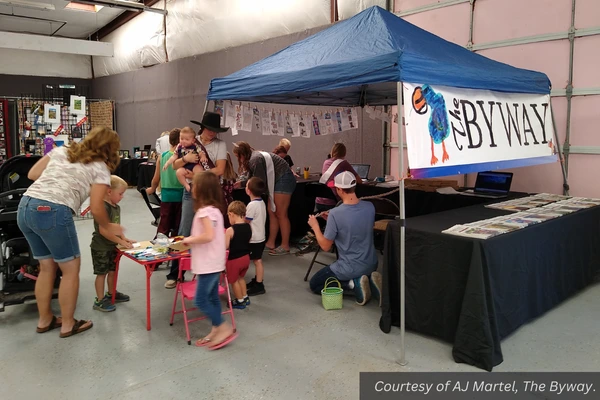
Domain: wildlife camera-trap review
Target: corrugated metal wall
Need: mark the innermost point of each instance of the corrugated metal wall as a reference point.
(538, 35)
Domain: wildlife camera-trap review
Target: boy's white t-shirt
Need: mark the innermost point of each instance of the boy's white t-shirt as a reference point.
(256, 212)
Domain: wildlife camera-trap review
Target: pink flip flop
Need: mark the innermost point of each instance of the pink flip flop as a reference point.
(225, 342)
(203, 342)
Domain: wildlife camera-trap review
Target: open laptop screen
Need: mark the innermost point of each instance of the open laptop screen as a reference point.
(362, 170)
(493, 182)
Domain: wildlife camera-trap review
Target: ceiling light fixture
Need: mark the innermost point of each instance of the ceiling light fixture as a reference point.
(28, 4)
(77, 6)
(124, 5)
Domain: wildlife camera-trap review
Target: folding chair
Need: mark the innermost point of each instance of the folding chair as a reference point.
(153, 203)
(314, 190)
(187, 291)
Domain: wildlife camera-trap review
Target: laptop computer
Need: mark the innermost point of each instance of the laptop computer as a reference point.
(494, 185)
(362, 170)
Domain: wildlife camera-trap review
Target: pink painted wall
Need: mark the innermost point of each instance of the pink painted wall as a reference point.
(497, 20)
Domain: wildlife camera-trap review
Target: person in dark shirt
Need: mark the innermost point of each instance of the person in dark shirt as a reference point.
(237, 240)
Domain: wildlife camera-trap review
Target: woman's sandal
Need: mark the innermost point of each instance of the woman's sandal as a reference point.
(224, 343)
(53, 325)
(77, 328)
(203, 342)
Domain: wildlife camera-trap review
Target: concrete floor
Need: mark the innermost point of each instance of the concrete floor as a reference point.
(289, 346)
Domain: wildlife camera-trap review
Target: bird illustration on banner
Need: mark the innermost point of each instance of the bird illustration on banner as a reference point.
(423, 98)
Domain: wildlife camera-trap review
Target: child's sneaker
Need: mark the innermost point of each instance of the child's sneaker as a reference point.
(256, 289)
(104, 305)
(239, 305)
(247, 300)
(119, 297)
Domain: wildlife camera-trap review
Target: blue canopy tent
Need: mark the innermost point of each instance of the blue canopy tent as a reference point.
(362, 61)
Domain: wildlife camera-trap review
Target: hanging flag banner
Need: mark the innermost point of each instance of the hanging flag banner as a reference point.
(456, 131)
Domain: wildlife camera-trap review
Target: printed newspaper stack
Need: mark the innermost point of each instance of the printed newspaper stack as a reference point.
(528, 211)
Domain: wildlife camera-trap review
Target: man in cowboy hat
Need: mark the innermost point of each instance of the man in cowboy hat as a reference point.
(216, 151)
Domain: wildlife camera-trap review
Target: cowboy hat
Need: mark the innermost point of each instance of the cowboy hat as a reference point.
(212, 122)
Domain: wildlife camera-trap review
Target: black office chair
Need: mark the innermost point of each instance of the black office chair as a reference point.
(153, 203)
(385, 211)
(314, 190)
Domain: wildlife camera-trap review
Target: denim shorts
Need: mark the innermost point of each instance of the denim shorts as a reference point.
(49, 229)
(286, 184)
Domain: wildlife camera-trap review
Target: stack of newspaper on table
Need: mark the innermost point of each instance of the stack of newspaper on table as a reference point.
(528, 211)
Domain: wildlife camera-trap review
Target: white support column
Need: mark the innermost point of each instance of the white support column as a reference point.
(401, 174)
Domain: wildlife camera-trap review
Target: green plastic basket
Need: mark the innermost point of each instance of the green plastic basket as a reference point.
(332, 297)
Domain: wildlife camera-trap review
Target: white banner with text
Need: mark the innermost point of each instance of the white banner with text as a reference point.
(455, 131)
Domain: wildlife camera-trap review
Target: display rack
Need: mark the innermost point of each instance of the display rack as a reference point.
(33, 129)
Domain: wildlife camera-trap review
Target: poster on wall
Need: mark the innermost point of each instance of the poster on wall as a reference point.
(304, 126)
(349, 118)
(455, 131)
(51, 114)
(327, 124)
(256, 119)
(220, 109)
(315, 125)
(247, 120)
(294, 125)
(77, 106)
(280, 124)
(266, 123)
(230, 118)
(274, 124)
(239, 116)
(288, 125)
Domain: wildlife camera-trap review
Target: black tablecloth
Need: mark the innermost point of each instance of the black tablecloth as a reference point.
(473, 293)
(128, 170)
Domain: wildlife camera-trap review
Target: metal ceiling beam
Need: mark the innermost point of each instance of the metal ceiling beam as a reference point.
(20, 41)
(119, 21)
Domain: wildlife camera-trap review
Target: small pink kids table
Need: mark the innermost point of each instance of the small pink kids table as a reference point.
(150, 266)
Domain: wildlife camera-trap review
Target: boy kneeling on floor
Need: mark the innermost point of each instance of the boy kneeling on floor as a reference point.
(350, 227)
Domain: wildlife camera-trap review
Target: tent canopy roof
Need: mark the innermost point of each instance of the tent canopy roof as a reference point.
(358, 61)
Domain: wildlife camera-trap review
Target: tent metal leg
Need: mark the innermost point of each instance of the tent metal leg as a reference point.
(561, 155)
(205, 107)
(401, 174)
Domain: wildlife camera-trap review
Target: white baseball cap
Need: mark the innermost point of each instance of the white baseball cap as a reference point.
(345, 180)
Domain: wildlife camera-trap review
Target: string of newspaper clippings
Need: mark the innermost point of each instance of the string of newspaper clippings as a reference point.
(281, 122)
